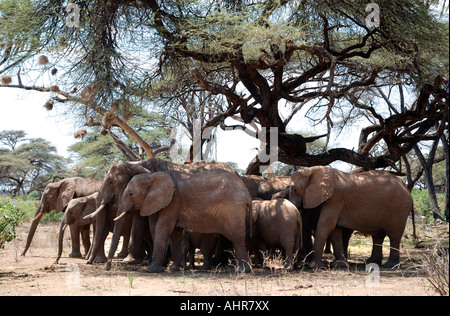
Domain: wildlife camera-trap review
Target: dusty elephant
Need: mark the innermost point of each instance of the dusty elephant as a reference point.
(374, 202)
(261, 188)
(76, 210)
(109, 197)
(276, 223)
(207, 243)
(56, 197)
(210, 202)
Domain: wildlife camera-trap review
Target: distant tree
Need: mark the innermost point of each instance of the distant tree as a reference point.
(30, 165)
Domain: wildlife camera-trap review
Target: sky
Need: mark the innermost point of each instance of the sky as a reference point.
(23, 110)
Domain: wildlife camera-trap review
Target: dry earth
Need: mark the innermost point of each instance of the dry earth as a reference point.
(36, 274)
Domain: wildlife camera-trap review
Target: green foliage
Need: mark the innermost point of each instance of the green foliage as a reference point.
(29, 164)
(10, 218)
(422, 202)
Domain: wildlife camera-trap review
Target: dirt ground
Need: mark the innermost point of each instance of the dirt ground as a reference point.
(36, 274)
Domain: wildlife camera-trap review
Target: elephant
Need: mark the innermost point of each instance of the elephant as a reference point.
(76, 210)
(276, 223)
(376, 203)
(209, 202)
(207, 243)
(109, 197)
(261, 188)
(57, 196)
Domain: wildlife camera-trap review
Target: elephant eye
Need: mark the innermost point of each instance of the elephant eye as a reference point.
(130, 193)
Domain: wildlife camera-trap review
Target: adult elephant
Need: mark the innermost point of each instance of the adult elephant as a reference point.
(374, 202)
(261, 188)
(209, 202)
(109, 197)
(56, 197)
(76, 210)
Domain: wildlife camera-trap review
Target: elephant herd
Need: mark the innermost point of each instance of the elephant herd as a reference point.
(165, 211)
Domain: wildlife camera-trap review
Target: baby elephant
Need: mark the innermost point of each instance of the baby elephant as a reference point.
(276, 223)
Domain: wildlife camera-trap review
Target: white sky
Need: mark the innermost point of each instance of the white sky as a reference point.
(23, 110)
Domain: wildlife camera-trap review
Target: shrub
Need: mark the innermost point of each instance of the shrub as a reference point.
(10, 218)
(435, 267)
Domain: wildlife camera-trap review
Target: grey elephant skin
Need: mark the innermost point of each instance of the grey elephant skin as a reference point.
(261, 188)
(74, 215)
(109, 198)
(376, 203)
(210, 202)
(276, 223)
(56, 197)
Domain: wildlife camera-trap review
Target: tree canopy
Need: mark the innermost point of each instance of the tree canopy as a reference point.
(269, 63)
(28, 164)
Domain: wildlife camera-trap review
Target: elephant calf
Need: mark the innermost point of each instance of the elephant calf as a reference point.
(276, 223)
(76, 210)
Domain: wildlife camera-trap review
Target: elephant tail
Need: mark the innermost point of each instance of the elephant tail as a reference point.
(249, 212)
(413, 217)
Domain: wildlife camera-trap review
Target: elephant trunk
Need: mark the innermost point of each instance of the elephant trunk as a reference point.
(62, 228)
(34, 225)
(100, 231)
(118, 227)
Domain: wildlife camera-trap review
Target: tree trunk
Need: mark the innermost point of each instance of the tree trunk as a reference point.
(428, 168)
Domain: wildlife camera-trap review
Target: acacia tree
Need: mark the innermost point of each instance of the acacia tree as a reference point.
(28, 164)
(257, 57)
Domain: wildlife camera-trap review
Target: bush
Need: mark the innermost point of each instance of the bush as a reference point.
(10, 218)
(435, 267)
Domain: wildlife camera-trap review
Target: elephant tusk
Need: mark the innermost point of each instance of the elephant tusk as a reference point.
(92, 215)
(120, 216)
(38, 216)
(64, 227)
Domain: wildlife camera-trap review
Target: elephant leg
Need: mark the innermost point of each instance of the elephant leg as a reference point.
(394, 253)
(175, 241)
(346, 235)
(85, 238)
(75, 237)
(162, 231)
(338, 248)
(135, 251)
(307, 249)
(377, 248)
(327, 223)
(100, 256)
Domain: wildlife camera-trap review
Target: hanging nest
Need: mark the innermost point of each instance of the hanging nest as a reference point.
(6, 80)
(49, 105)
(80, 133)
(42, 60)
(108, 120)
(90, 121)
(53, 71)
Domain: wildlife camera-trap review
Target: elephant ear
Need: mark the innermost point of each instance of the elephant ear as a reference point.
(66, 193)
(160, 191)
(322, 182)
